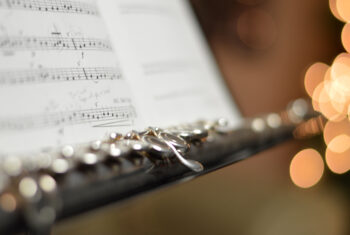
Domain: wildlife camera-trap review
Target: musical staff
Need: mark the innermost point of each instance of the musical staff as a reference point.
(101, 117)
(59, 6)
(35, 76)
(53, 43)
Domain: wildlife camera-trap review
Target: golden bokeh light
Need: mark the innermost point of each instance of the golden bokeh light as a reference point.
(340, 72)
(334, 10)
(332, 103)
(341, 56)
(316, 96)
(328, 76)
(333, 129)
(329, 101)
(314, 76)
(306, 168)
(339, 144)
(335, 91)
(338, 163)
(331, 113)
(315, 105)
(320, 93)
(345, 37)
(343, 8)
(329, 88)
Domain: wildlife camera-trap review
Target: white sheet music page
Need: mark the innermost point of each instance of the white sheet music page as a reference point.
(73, 70)
(172, 74)
(60, 81)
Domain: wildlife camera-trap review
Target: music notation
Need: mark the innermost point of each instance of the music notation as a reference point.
(60, 6)
(101, 117)
(53, 43)
(34, 76)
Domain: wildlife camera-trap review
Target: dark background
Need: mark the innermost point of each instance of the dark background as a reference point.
(263, 48)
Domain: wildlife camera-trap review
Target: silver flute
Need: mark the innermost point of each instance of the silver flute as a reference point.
(50, 186)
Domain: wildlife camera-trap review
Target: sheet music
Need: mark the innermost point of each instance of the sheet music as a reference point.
(53, 43)
(73, 70)
(46, 75)
(60, 80)
(62, 6)
(166, 59)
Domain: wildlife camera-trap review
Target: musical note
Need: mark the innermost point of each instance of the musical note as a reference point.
(53, 43)
(59, 6)
(59, 75)
(35, 76)
(102, 117)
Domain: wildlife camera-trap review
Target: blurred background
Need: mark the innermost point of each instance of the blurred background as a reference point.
(263, 48)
